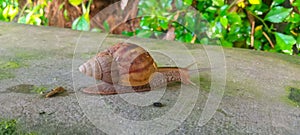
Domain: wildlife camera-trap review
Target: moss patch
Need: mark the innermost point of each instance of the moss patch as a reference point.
(10, 127)
(241, 89)
(25, 54)
(202, 80)
(10, 65)
(205, 82)
(294, 95)
(5, 69)
(6, 74)
(27, 89)
(39, 89)
(292, 59)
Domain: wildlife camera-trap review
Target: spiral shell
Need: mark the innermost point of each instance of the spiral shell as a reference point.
(124, 63)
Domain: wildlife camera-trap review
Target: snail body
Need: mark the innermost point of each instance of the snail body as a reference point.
(127, 67)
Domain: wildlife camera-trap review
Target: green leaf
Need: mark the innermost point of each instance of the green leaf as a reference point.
(66, 15)
(257, 44)
(22, 20)
(145, 22)
(188, 37)
(285, 42)
(81, 24)
(223, 10)
(75, 23)
(126, 33)
(224, 21)
(211, 9)
(61, 6)
(1, 16)
(218, 3)
(75, 2)
(106, 26)
(5, 12)
(188, 2)
(234, 18)
(277, 14)
(297, 4)
(178, 31)
(13, 12)
(258, 34)
(163, 24)
(204, 41)
(266, 47)
(226, 43)
(294, 18)
(37, 20)
(216, 29)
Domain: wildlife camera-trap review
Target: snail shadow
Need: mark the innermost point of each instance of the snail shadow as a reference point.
(104, 88)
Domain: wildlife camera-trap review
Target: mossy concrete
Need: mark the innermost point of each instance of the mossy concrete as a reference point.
(255, 99)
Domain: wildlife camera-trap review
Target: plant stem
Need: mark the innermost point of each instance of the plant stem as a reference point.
(268, 38)
(23, 9)
(232, 3)
(268, 29)
(89, 5)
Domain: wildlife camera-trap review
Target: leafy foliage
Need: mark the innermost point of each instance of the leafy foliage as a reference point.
(284, 42)
(273, 26)
(8, 9)
(82, 22)
(276, 28)
(159, 16)
(32, 13)
(277, 14)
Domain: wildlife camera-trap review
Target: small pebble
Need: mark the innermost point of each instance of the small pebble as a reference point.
(157, 104)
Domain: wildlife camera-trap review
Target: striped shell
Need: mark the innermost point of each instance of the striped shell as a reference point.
(124, 63)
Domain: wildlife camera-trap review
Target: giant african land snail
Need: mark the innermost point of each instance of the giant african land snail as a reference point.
(126, 67)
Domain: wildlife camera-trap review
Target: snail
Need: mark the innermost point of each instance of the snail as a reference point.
(126, 67)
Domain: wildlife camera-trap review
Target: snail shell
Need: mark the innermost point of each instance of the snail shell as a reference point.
(124, 64)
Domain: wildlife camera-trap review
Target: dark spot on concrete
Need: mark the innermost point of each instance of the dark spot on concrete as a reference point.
(295, 95)
(42, 112)
(158, 104)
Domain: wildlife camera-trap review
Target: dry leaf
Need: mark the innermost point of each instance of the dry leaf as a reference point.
(55, 91)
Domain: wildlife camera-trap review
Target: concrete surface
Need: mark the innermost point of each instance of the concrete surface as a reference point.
(254, 100)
